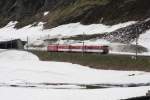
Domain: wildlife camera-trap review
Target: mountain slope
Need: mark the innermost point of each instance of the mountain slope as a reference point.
(103, 19)
(68, 11)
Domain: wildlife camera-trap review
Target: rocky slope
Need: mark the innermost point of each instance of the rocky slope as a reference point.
(129, 33)
(67, 11)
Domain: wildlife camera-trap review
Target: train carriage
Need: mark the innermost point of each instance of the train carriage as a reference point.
(79, 48)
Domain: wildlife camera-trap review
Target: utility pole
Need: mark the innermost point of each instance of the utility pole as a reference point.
(136, 54)
(6, 45)
(27, 43)
(11, 44)
(83, 43)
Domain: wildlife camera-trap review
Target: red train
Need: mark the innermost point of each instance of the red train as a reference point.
(78, 48)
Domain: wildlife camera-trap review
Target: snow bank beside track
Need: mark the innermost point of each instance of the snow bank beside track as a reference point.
(17, 55)
(35, 80)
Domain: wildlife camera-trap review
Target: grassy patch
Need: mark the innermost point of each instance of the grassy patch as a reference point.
(111, 62)
(68, 12)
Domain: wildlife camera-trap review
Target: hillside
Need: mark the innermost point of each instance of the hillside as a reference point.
(71, 11)
(109, 21)
(37, 74)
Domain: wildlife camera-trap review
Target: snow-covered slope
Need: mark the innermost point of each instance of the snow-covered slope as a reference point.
(144, 39)
(34, 32)
(52, 94)
(17, 55)
(37, 33)
(38, 80)
(59, 72)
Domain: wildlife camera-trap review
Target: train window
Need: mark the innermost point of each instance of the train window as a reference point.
(92, 47)
(63, 47)
(75, 47)
(52, 48)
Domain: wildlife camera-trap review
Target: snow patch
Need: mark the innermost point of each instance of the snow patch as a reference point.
(17, 55)
(36, 32)
(25, 67)
(46, 13)
(77, 28)
(144, 40)
(16, 70)
(51, 94)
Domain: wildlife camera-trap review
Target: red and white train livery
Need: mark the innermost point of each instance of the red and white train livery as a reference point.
(79, 48)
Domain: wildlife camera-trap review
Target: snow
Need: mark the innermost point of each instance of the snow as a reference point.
(129, 53)
(17, 55)
(23, 73)
(30, 32)
(115, 48)
(144, 39)
(87, 42)
(56, 72)
(46, 13)
(37, 43)
(44, 94)
(77, 28)
(27, 77)
(36, 32)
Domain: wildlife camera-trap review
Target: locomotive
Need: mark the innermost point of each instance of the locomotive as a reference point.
(79, 48)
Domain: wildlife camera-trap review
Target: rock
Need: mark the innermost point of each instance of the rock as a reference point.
(67, 11)
(12, 44)
(148, 93)
(129, 33)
